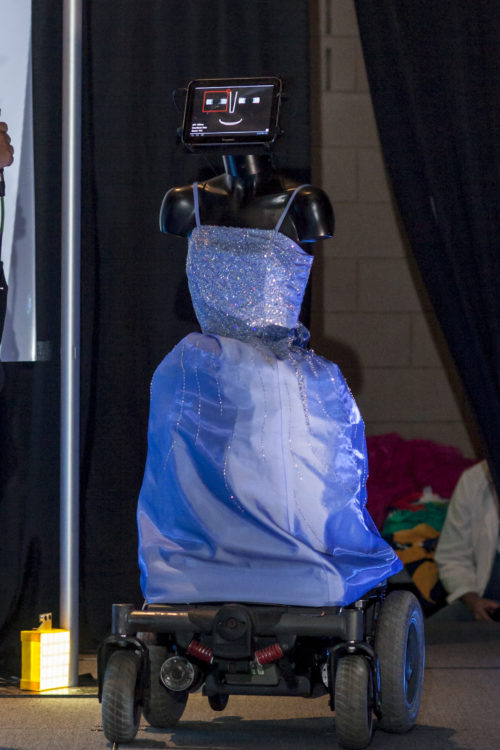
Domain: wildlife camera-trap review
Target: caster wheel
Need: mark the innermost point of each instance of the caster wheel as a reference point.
(353, 702)
(120, 709)
(218, 702)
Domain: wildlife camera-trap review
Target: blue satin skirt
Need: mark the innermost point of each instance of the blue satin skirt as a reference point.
(255, 481)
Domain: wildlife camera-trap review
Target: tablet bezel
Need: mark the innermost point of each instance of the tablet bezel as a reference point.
(233, 139)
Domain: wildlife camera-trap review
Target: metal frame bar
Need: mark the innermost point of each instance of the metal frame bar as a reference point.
(70, 326)
(346, 623)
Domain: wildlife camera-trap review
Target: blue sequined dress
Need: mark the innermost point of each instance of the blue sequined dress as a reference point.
(254, 486)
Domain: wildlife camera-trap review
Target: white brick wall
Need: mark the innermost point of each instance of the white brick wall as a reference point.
(370, 312)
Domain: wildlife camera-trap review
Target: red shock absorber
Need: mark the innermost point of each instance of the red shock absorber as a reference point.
(269, 654)
(204, 653)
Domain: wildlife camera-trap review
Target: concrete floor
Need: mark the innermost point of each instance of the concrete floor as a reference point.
(460, 710)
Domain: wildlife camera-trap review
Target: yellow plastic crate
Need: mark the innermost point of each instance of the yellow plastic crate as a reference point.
(45, 657)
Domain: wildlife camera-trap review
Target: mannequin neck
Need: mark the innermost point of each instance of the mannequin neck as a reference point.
(251, 171)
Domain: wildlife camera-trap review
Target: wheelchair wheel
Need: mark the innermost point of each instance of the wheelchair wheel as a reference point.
(163, 708)
(400, 646)
(353, 702)
(120, 709)
(218, 702)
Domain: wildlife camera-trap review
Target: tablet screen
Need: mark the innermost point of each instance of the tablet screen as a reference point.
(225, 111)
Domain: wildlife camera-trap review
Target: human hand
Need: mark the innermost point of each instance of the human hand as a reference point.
(6, 150)
(481, 608)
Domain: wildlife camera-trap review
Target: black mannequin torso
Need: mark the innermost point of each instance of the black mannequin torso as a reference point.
(249, 194)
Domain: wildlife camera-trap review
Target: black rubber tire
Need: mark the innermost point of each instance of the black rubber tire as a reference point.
(218, 702)
(120, 710)
(163, 708)
(400, 646)
(353, 702)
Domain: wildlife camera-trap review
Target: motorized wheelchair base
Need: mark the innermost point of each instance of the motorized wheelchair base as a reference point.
(157, 655)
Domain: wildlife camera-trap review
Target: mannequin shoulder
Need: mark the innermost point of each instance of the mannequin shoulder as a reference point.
(177, 213)
(313, 214)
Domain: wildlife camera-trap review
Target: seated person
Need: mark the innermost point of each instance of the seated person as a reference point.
(468, 551)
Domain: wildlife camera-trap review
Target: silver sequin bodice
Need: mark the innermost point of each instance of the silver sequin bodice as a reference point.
(246, 283)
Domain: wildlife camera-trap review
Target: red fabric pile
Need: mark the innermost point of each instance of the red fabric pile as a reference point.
(399, 468)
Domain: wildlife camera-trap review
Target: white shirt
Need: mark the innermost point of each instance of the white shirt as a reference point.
(470, 535)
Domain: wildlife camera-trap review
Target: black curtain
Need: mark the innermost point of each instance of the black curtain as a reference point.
(135, 302)
(433, 70)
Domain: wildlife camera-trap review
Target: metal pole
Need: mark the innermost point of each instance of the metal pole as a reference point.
(70, 325)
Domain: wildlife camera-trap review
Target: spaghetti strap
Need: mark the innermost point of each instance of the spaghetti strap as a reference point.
(289, 203)
(196, 203)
